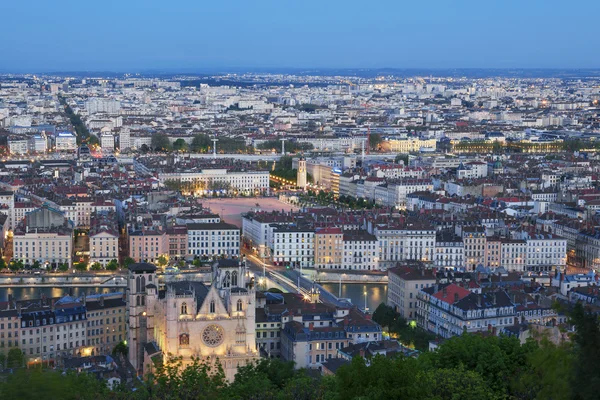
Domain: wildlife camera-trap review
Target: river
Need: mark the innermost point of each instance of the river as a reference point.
(24, 293)
(376, 293)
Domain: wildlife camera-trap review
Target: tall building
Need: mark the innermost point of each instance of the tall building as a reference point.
(124, 139)
(108, 106)
(107, 142)
(301, 174)
(189, 319)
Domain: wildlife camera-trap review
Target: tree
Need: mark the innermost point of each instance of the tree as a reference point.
(200, 143)
(385, 315)
(81, 266)
(112, 265)
(585, 380)
(120, 348)
(63, 267)
(15, 358)
(96, 266)
(544, 377)
(160, 142)
(162, 260)
(35, 265)
(50, 384)
(2, 263)
(458, 383)
(402, 157)
(374, 141)
(16, 265)
(2, 361)
(180, 145)
(144, 148)
(128, 261)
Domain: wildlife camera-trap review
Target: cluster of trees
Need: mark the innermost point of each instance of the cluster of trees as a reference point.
(18, 265)
(83, 135)
(374, 141)
(467, 367)
(202, 143)
(399, 328)
(354, 203)
(290, 146)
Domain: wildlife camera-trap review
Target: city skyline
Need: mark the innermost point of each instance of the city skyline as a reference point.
(145, 36)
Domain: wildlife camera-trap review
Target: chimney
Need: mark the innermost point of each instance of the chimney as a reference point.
(52, 304)
(311, 326)
(444, 292)
(455, 297)
(478, 300)
(10, 300)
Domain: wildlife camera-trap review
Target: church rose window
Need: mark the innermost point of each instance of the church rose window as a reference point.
(213, 335)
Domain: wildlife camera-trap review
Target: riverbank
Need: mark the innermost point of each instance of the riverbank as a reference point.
(366, 277)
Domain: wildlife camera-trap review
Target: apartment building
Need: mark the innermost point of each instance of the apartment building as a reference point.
(292, 246)
(513, 254)
(148, 243)
(449, 310)
(177, 238)
(106, 322)
(213, 240)
(329, 248)
(404, 283)
(256, 227)
(545, 251)
(44, 236)
(474, 239)
(449, 250)
(359, 251)
(104, 238)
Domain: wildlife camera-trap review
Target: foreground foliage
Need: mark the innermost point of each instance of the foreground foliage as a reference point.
(469, 367)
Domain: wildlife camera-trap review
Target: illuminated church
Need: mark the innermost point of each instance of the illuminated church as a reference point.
(190, 319)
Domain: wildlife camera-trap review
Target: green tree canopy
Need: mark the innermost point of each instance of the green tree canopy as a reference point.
(160, 142)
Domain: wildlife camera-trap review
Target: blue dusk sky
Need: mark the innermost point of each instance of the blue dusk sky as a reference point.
(131, 35)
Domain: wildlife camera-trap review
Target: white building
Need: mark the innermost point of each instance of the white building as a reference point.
(66, 141)
(213, 240)
(291, 246)
(545, 252)
(359, 251)
(243, 181)
(107, 142)
(99, 105)
(124, 139)
(18, 145)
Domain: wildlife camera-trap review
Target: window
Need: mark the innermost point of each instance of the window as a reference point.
(184, 339)
(184, 309)
(239, 305)
(212, 307)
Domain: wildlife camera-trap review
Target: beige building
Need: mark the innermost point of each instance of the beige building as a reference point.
(406, 145)
(329, 244)
(44, 236)
(48, 330)
(104, 238)
(474, 240)
(106, 322)
(404, 282)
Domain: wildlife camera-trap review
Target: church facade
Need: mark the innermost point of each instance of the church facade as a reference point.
(189, 319)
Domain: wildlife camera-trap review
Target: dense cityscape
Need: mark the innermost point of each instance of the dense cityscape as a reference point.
(150, 222)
